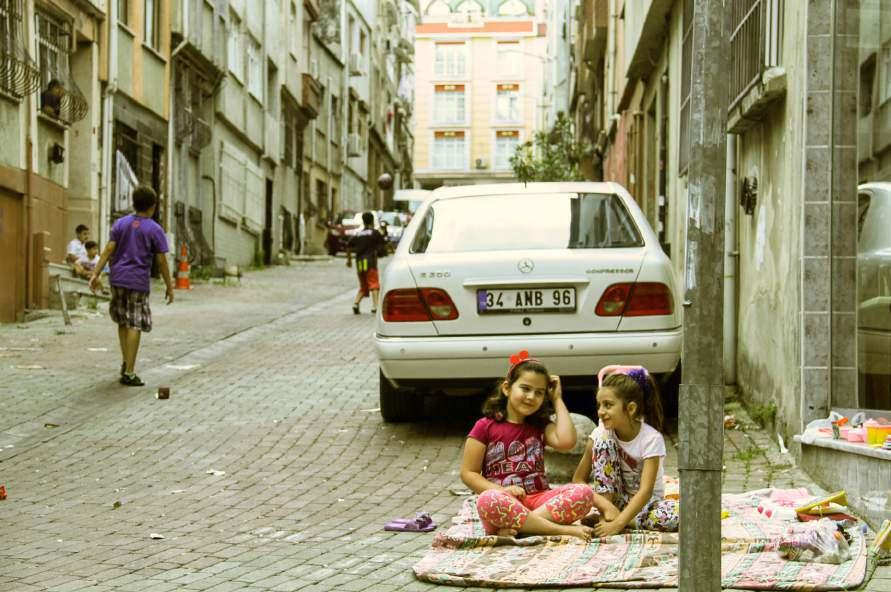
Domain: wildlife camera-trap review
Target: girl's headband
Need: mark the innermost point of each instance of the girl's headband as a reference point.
(637, 373)
(517, 359)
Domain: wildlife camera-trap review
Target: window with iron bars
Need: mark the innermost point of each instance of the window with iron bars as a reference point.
(756, 43)
(52, 47)
(10, 21)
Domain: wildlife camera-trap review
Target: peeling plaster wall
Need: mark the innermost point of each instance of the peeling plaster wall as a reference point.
(770, 244)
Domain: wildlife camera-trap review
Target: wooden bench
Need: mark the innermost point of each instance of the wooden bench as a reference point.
(64, 283)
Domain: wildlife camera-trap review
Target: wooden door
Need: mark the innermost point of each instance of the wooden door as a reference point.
(11, 264)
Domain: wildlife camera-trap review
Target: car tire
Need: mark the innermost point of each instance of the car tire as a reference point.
(396, 405)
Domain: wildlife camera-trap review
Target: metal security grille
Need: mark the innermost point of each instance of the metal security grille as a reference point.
(53, 42)
(755, 43)
(19, 75)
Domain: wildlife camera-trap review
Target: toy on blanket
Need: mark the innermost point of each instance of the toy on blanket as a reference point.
(822, 541)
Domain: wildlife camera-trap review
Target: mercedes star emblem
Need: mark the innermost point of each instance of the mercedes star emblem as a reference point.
(525, 265)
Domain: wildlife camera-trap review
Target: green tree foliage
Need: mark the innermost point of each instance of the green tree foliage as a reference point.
(550, 156)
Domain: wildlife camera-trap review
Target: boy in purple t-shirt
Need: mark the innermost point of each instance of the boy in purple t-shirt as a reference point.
(135, 240)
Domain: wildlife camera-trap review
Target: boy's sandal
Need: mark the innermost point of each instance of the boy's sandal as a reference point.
(355, 309)
(131, 380)
(420, 523)
(123, 368)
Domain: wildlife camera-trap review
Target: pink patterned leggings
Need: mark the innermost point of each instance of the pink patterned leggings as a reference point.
(566, 504)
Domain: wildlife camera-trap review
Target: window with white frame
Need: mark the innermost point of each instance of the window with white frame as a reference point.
(450, 60)
(236, 64)
(52, 48)
(254, 68)
(292, 31)
(449, 103)
(508, 59)
(506, 142)
(152, 24)
(507, 103)
(449, 150)
(124, 12)
(513, 8)
(885, 70)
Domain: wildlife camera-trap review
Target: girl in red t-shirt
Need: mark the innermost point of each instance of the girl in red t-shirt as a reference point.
(504, 457)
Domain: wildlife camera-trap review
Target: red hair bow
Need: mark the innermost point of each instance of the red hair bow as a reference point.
(520, 356)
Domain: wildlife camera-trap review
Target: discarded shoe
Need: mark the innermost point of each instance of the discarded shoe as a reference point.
(422, 522)
(131, 380)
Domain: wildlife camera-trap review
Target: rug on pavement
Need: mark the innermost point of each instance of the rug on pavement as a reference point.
(465, 555)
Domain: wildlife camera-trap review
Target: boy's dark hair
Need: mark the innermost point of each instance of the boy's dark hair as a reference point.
(90, 245)
(80, 228)
(144, 198)
(54, 83)
(495, 405)
(367, 218)
(628, 390)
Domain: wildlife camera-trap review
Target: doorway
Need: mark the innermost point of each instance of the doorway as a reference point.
(10, 264)
(267, 226)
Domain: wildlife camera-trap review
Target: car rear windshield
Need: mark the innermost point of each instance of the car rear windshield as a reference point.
(521, 222)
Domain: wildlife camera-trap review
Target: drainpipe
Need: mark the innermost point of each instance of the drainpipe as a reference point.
(111, 88)
(171, 119)
(731, 262)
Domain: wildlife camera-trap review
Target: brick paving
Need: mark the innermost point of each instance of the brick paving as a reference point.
(274, 387)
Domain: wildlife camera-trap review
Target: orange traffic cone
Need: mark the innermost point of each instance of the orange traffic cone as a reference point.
(182, 271)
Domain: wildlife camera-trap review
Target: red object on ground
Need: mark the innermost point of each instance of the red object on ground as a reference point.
(2, 492)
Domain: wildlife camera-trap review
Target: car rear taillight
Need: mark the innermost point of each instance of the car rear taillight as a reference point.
(635, 300)
(418, 304)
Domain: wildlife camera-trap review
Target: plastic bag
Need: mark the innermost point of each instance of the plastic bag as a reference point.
(824, 423)
(821, 541)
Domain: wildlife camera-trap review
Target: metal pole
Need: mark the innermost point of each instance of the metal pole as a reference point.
(702, 389)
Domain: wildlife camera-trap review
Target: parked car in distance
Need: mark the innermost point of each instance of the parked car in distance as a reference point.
(410, 199)
(394, 224)
(571, 272)
(874, 294)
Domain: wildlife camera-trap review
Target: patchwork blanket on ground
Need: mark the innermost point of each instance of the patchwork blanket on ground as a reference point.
(465, 556)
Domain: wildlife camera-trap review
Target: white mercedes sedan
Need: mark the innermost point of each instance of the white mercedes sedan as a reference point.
(571, 272)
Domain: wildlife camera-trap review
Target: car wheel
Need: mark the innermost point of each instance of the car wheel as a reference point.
(398, 405)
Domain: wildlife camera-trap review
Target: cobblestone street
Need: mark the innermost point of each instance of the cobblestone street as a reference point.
(269, 469)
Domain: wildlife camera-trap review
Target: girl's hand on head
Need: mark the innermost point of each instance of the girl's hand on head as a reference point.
(555, 389)
(516, 491)
(606, 528)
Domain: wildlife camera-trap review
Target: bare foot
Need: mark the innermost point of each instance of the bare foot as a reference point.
(506, 532)
(578, 530)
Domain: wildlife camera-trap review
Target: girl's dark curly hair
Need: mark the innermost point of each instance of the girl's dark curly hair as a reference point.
(495, 406)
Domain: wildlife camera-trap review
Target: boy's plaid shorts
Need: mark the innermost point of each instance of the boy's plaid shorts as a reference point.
(130, 308)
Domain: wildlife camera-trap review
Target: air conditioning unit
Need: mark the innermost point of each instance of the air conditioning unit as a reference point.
(355, 64)
(482, 163)
(354, 145)
(314, 68)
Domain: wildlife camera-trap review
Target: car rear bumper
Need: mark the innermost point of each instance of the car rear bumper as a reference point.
(412, 359)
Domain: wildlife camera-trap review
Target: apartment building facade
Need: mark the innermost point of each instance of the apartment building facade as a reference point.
(795, 97)
(50, 111)
(480, 73)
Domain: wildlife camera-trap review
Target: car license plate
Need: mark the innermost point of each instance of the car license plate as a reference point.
(526, 300)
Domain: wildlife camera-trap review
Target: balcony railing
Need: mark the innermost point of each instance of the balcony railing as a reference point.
(312, 96)
(755, 43)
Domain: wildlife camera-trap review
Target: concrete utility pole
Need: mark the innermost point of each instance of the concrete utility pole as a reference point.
(702, 388)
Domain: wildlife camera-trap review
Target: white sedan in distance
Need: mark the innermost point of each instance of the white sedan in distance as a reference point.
(571, 272)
